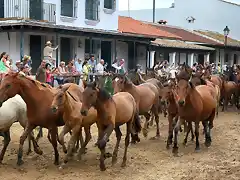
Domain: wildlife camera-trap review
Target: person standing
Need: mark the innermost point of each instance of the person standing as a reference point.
(92, 63)
(4, 68)
(48, 53)
(41, 72)
(100, 67)
(78, 67)
(122, 69)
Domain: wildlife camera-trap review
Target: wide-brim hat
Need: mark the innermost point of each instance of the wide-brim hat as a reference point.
(48, 43)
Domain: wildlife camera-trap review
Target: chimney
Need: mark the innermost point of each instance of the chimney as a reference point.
(162, 22)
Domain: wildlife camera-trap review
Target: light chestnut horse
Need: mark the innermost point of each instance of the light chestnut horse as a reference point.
(146, 96)
(195, 104)
(73, 119)
(38, 98)
(112, 113)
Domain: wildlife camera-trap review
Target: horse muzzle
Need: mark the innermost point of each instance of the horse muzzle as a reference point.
(84, 112)
(181, 102)
(54, 109)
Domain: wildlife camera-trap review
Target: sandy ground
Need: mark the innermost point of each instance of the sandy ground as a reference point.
(148, 160)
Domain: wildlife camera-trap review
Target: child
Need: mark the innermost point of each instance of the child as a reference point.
(48, 74)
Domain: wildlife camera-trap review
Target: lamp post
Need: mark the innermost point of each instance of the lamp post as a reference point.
(226, 31)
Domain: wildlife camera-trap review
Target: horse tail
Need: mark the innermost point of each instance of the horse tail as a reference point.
(137, 123)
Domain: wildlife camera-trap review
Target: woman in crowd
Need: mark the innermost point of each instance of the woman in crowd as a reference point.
(61, 70)
(49, 79)
(4, 67)
(86, 70)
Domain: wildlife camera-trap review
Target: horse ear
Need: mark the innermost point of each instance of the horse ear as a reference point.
(84, 82)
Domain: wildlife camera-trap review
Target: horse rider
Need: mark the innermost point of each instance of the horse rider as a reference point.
(47, 53)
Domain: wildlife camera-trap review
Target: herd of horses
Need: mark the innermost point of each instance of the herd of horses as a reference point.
(190, 97)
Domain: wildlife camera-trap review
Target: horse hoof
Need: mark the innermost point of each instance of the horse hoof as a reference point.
(39, 151)
(184, 143)
(123, 164)
(114, 161)
(56, 163)
(207, 143)
(197, 150)
(167, 147)
(175, 151)
(155, 138)
(20, 162)
(145, 132)
(102, 168)
(29, 152)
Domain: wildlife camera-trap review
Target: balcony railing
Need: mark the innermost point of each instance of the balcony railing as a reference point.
(29, 9)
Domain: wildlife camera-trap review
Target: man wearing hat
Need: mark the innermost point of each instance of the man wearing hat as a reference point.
(47, 52)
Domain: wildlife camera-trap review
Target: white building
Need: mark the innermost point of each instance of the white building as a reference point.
(79, 27)
(211, 15)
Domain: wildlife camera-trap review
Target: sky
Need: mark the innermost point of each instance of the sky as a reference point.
(143, 4)
(147, 4)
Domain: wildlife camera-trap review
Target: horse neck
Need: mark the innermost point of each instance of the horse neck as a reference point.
(140, 78)
(102, 104)
(68, 105)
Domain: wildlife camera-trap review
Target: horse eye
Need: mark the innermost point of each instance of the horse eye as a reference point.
(8, 86)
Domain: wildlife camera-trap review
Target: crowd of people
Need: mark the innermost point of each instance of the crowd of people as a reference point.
(47, 72)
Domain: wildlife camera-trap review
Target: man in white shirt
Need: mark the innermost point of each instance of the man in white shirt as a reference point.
(48, 52)
(100, 67)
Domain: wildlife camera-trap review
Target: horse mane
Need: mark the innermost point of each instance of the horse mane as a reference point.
(102, 92)
(184, 75)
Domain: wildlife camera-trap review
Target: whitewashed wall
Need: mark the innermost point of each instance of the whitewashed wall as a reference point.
(141, 56)
(209, 14)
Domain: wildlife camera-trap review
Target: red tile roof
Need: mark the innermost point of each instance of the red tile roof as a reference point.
(130, 25)
(186, 35)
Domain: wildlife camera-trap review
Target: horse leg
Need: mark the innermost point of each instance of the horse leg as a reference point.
(170, 130)
(40, 134)
(64, 131)
(71, 143)
(145, 131)
(102, 144)
(127, 141)
(189, 128)
(176, 129)
(35, 144)
(197, 136)
(115, 152)
(151, 121)
(88, 137)
(28, 129)
(6, 141)
(29, 145)
(155, 111)
(53, 133)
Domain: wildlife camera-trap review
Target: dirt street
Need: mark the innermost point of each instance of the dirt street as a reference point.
(148, 160)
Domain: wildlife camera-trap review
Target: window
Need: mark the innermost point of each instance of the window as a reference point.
(91, 10)
(69, 8)
(109, 4)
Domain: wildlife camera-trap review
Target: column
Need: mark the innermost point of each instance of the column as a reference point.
(172, 58)
(152, 57)
(57, 50)
(231, 58)
(207, 58)
(21, 44)
(191, 56)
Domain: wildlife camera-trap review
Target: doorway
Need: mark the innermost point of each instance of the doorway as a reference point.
(1, 8)
(201, 59)
(35, 51)
(66, 50)
(36, 9)
(106, 52)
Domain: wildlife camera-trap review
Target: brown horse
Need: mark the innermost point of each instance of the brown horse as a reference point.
(195, 104)
(146, 96)
(64, 99)
(112, 113)
(38, 98)
(231, 90)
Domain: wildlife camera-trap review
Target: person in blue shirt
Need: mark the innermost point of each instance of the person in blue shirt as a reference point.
(78, 66)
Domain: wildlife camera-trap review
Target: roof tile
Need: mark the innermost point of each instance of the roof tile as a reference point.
(130, 25)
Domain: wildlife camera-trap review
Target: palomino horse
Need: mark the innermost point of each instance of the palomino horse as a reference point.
(195, 104)
(112, 113)
(146, 96)
(38, 98)
(14, 110)
(73, 120)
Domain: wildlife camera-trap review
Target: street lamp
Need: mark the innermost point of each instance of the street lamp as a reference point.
(226, 32)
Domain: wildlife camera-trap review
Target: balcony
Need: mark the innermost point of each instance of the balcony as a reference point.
(28, 9)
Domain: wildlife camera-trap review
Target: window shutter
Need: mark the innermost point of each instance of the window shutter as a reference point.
(67, 8)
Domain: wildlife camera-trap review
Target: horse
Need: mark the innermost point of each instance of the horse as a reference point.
(146, 96)
(195, 104)
(230, 89)
(113, 111)
(73, 120)
(14, 110)
(38, 98)
(172, 109)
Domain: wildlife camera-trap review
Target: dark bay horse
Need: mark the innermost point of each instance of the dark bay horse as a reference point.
(195, 104)
(113, 111)
(38, 98)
